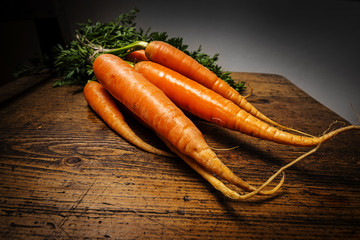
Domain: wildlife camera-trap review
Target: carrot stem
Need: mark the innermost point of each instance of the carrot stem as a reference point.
(123, 51)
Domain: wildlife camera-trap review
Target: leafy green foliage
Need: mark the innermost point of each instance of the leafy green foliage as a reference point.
(74, 62)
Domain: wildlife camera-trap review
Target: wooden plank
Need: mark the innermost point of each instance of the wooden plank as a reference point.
(65, 175)
(20, 85)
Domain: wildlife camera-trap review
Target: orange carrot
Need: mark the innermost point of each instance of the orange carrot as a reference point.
(136, 56)
(171, 57)
(208, 105)
(103, 104)
(154, 108)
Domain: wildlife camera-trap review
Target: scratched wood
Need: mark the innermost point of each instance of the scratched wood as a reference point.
(65, 175)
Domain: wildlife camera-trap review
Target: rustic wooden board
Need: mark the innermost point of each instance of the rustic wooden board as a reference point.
(65, 175)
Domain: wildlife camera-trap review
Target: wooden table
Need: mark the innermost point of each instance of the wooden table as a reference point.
(65, 175)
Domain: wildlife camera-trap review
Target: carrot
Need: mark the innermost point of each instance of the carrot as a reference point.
(103, 104)
(136, 56)
(216, 183)
(208, 105)
(171, 57)
(157, 111)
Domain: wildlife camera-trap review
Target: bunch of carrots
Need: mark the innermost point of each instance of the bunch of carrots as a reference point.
(158, 83)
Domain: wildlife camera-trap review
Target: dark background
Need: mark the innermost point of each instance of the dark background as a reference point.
(315, 44)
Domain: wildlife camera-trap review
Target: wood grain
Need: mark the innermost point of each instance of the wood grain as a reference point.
(65, 175)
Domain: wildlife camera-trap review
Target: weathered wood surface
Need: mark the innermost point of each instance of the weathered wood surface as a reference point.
(65, 175)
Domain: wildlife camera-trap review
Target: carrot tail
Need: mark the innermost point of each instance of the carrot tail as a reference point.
(217, 184)
(244, 104)
(233, 194)
(268, 120)
(304, 141)
(281, 170)
(220, 186)
(132, 138)
(332, 134)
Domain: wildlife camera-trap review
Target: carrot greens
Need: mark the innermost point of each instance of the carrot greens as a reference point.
(73, 65)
